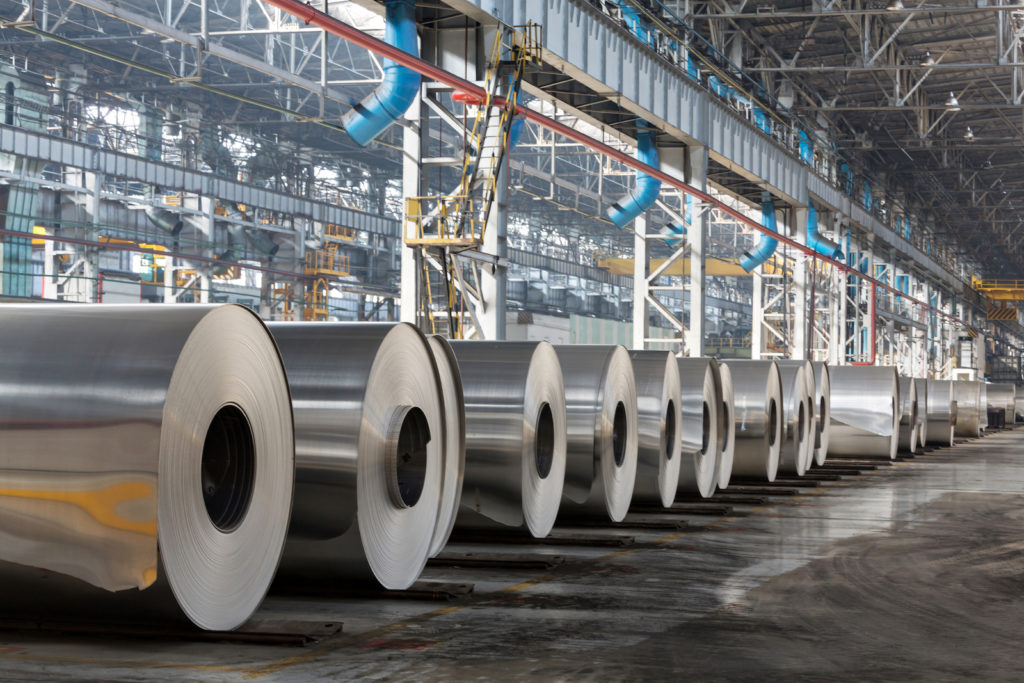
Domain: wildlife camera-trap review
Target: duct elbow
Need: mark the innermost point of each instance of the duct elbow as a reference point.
(645, 192)
(400, 86)
(767, 244)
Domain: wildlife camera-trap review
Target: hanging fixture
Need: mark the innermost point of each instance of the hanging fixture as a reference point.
(894, 6)
(952, 103)
(928, 59)
(969, 135)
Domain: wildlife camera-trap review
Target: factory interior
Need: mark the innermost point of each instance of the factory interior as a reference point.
(511, 340)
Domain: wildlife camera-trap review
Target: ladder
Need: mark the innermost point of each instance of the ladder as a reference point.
(442, 226)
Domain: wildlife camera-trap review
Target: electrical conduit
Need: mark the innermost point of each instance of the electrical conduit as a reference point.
(401, 85)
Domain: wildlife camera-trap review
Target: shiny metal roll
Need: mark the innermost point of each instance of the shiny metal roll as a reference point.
(969, 407)
(757, 405)
(1019, 404)
(146, 461)
(822, 412)
(700, 386)
(910, 424)
(728, 452)
(921, 387)
(370, 443)
(515, 434)
(1002, 397)
(798, 408)
(454, 462)
(865, 412)
(941, 413)
(601, 430)
(659, 444)
(983, 406)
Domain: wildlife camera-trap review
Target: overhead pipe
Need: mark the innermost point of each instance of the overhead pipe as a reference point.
(766, 247)
(401, 85)
(311, 15)
(676, 232)
(815, 240)
(645, 191)
(165, 220)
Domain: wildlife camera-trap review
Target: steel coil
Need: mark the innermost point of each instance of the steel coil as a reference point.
(700, 386)
(865, 412)
(969, 408)
(983, 406)
(369, 446)
(146, 451)
(515, 434)
(921, 386)
(1002, 397)
(454, 463)
(757, 405)
(910, 423)
(942, 415)
(728, 452)
(659, 444)
(601, 430)
(798, 409)
(822, 412)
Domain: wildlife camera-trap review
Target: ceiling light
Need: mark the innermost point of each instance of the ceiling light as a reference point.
(969, 135)
(952, 103)
(928, 59)
(894, 6)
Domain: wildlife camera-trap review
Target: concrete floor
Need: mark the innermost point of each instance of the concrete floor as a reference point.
(910, 572)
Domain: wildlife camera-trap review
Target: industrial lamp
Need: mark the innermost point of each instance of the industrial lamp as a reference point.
(952, 103)
(928, 59)
(969, 135)
(894, 6)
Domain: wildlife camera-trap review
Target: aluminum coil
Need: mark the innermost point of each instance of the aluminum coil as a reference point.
(728, 452)
(921, 386)
(369, 445)
(454, 462)
(601, 430)
(865, 412)
(941, 412)
(146, 451)
(757, 405)
(822, 412)
(515, 434)
(700, 386)
(983, 406)
(969, 408)
(1002, 397)
(799, 425)
(1019, 404)
(910, 423)
(659, 444)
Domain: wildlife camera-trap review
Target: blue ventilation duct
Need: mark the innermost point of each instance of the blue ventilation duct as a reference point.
(868, 200)
(400, 87)
(645, 192)
(806, 149)
(515, 131)
(766, 247)
(637, 24)
(816, 241)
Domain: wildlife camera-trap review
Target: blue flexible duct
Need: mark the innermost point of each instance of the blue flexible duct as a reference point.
(675, 232)
(816, 241)
(400, 87)
(645, 192)
(766, 247)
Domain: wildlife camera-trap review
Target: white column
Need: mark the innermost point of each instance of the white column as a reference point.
(756, 315)
(411, 175)
(798, 218)
(494, 277)
(697, 163)
(640, 317)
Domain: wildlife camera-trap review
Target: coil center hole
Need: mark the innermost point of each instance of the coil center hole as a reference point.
(725, 422)
(410, 456)
(544, 446)
(821, 411)
(620, 432)
(228, 468)
(670, 430)
(773, 422)
(705, 429)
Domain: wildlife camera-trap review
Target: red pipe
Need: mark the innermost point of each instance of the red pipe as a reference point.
(313, 16)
